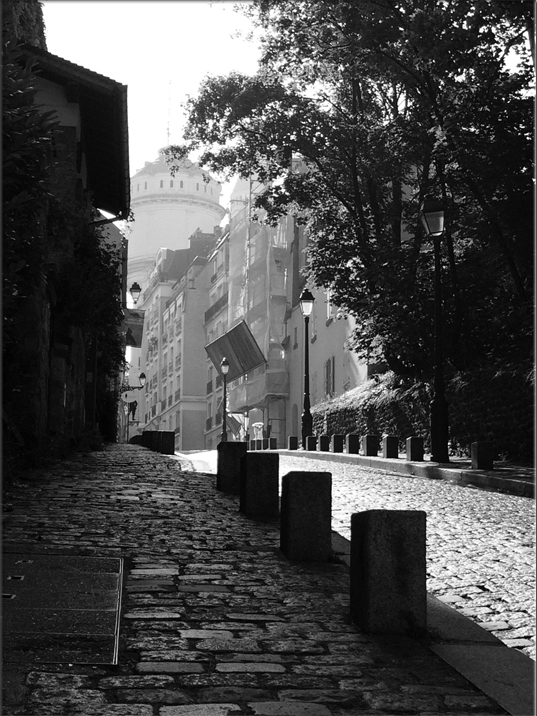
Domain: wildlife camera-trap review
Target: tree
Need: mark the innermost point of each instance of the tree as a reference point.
(385, 101)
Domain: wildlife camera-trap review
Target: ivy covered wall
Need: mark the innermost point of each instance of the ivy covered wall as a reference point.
(486, 405)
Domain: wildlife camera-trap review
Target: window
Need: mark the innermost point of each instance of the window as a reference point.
(329, 376)
(180, 184)
(145, 185)
(137, 187)
(161, 183)
(171, 182)
(295, 337)
(197, 186)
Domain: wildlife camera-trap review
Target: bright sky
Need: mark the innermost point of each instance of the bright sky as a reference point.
(160, 50)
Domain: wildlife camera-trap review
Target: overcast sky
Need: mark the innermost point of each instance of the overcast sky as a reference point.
(160, 50)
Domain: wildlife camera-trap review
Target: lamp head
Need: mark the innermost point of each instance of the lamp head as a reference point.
(306, 302)
(135, 291)
(142, 380)
(432, 216)
(224, 366)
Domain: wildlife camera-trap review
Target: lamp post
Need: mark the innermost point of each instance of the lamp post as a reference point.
(306, 306)
(432, 217)
(224, 369)
(135, 292)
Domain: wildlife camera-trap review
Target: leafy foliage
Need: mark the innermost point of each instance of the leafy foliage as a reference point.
(358, 111)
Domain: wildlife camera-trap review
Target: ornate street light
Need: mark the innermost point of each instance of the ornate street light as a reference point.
(306, 306)
(224, 369)
(135, 292)
(131, 407)
(432, 217)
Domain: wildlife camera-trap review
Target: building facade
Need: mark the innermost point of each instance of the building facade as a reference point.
(199, 290)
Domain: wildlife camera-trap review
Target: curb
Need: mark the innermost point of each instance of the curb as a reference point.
(502, 673)
(466, 477)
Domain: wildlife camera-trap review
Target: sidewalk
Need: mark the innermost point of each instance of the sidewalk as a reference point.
(132, 587)
(505, 477)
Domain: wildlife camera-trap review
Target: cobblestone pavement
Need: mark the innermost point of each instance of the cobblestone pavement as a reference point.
(215, 621)
(480, 544)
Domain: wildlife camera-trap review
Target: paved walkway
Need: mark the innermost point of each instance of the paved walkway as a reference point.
(214, 620)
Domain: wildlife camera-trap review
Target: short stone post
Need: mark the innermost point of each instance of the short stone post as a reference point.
(292, 442)
(252, 444)
(158, 441)
(306, 516)
(167, 442)
(388, 591)
(353, 444)
(259, 444)
(336, 444)
(228, 470)
(259, 483)
(145, 438)
(311, 442)
(265, 444)
(414, 449)
(390, 446)
(324, 443)
(482, 454)
(370, 445)
(273, 444)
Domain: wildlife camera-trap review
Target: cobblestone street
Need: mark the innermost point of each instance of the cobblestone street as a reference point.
(214, 620)
(480, 544)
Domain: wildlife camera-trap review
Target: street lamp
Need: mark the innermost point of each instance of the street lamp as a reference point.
(224, 369)
(131, 407)
(135, 292)
(306, 306)
(432, 217)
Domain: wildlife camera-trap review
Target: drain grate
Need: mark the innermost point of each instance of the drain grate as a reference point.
(59, 608)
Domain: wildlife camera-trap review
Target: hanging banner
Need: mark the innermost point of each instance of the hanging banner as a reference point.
(240, 348)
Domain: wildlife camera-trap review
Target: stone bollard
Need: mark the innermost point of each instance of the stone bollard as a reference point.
(145, 438)
(324, 443)
(265, 444)
(306, 516)
(273, 444)
(482, 454)
(157, 444)
(370, 445)
(311, 442)
(153, 439)
(388, 591)
(414, 449)
(336, 444)
(292, 442)
(167, 442)
(353, 444)
(259, 444)
(228, 470)
(390, 446)
(259, 485)
(252, 445)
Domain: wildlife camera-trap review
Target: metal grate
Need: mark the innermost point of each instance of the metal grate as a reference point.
(61, 608)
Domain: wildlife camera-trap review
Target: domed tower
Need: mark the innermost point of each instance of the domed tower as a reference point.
(167, 211)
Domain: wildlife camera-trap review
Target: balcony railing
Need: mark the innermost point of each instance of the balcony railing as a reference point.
(216, 307)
